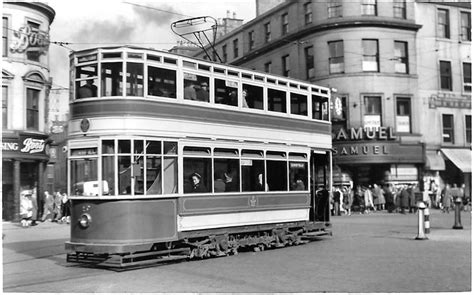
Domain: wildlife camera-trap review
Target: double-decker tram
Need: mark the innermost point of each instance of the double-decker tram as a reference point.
(174, 157)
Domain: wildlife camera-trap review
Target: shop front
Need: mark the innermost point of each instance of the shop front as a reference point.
(375, 156)
(24, 157)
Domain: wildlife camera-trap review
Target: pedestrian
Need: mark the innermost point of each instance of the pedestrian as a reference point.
(26, 208)
(447, 199)
(348, 199)
(388, 195)
(48, 207)
(368, 200)
(411, 199)
(57, 207)
(378, 193)
(66, 209)
(404, 199)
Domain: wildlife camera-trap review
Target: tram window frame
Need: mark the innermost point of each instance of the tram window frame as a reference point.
(94, 177)
(106, 55)
(194, 81)
(226, 92)
(273, 105)
(112, 81)
(85, 74)
(132, 84)
(251, 168)
(320, 107)
(152, 57)
(277, 174)
(252, 96)
(298, 104)
(197, 159)
(166, 86)
(295, 172)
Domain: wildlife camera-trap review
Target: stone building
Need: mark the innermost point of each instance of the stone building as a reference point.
(402, 110)
(25, 90)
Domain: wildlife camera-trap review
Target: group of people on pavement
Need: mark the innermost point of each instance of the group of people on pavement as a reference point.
(401, 198)
(56, 208)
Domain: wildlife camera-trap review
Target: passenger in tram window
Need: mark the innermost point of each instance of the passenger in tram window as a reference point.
(189, 91)
(298, 184)
(244, 98)
(260, 186)
(232, 98)
(198, 186)
(219, 184)
(231, 183)
(88, 89)
(156, 90)
(202, 92)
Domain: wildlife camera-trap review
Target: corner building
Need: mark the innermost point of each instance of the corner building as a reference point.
(25, 90)
(374, 55)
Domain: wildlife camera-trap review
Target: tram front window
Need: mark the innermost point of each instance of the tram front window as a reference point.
(111, 79)
(161, 82)
(84, 178)
(299, 104)
(134, 79)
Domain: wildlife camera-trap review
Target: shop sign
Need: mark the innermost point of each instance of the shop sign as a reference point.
(449, 101)
(10, 146)
(377, 152)
(25, 145)
(33, 145)
(29, 38)
(366, 133)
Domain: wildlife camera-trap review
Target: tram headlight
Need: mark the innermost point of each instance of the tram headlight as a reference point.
(85, 220)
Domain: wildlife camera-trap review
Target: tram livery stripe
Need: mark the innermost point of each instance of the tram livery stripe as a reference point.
(207, 221)
(160, 109)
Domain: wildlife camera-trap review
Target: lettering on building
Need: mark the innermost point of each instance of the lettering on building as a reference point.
(9, 146)
(367, 133)
(449, 101)
(32, 146)
(29, 38)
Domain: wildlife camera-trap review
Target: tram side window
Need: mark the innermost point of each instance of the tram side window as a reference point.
(225, 92)
(277, 171)
(197, 172)
(276, 100)
(111, 79)
(108, 165)
(226, 171)
(87, 85)
(161, 82)
(196, 87)
(170, 167)
(134, 79)
(298, 176)
(299, 104)
(84, 180)
(320, 108)
(252, 96)
(253, 171)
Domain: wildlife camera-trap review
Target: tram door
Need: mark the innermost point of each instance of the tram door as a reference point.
(320, 174)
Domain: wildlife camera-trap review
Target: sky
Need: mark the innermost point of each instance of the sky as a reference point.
(87, 24)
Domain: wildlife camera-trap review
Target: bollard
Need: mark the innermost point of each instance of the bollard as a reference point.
(426, 213)
(421, 221)
(457, 213)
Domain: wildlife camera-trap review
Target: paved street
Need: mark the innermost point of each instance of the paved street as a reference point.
(367, 253)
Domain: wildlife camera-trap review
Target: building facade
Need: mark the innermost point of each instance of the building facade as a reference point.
(388, 66)
(25, 90)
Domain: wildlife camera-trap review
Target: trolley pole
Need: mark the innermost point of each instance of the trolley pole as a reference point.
(457, 213)
(421, 222)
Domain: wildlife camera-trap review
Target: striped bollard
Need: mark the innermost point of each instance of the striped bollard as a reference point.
(426, 213)
(421, 222)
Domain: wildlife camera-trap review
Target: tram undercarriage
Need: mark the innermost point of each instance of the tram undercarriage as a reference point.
(207, 244)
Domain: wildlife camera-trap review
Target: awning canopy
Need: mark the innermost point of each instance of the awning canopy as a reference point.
(460, 157)
(434, 161)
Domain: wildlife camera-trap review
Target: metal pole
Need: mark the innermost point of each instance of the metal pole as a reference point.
(421, 221)
(457, 213)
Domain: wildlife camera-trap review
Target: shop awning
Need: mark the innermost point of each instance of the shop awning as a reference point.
(434, 161)
(460, 157)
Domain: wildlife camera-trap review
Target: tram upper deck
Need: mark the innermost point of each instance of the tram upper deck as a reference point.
(135, 73)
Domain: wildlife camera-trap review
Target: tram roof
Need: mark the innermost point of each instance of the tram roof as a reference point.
(322, 89)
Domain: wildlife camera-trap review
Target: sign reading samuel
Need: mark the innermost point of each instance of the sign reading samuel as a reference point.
(373, 145)
(368, 133)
